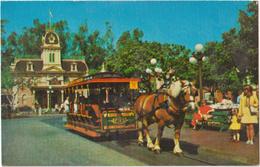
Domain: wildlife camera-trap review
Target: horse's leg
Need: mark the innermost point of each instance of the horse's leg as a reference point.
(146, 132)
(140, 140)
(157, 147)
(139, 112)
(176, 139)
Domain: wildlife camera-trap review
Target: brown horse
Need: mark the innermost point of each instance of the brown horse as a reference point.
(166, 108)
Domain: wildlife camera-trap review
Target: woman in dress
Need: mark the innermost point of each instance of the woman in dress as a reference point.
(248, 112)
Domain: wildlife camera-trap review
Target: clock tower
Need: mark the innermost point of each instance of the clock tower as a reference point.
(51, 51)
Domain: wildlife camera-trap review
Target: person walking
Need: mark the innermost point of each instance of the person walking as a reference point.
(248, 110)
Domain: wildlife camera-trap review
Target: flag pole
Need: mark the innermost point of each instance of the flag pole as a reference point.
(50, 16)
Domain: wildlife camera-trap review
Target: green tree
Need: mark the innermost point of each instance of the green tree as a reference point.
(248, 35)
(133, 56)
(30, 40)
(80, 42)
(61, 28)
(236, 56)
(108, 40)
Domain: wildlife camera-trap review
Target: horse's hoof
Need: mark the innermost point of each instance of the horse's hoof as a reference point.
(150, 148)
(179, 154)
(140, 143)
(157, 151)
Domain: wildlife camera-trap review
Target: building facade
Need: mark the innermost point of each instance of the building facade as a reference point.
(46, 77)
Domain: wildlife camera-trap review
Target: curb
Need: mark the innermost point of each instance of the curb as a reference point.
(35, 116)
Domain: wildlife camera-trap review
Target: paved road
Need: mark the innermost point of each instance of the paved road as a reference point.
(44, 141)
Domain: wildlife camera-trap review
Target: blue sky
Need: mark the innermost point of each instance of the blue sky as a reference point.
(185, 23)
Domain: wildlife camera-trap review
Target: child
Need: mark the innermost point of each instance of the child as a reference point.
(235, 126)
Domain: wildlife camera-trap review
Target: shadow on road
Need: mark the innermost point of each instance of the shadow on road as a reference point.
(122, 139)
(168, 144)
(126, 143)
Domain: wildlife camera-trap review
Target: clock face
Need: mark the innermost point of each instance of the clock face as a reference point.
(51, 38)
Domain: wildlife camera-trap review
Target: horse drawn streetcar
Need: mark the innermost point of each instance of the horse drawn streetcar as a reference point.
(102, 103)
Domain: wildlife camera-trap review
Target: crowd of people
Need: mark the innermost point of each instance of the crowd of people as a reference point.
(246, 115)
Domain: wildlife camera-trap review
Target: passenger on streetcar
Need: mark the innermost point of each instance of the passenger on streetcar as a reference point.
(81, 102)
(75, 105)
(66, 105)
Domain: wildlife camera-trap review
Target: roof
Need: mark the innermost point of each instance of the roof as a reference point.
(93, 79)
(20, 65)
(81, 65)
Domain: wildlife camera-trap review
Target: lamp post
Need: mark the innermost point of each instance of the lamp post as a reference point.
(156, 72)
(198, 58)
(50, 91)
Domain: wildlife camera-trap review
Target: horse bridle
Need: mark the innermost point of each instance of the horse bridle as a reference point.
(192, 95)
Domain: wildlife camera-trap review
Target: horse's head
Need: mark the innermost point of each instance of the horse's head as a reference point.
(189, 91)
(184, 91)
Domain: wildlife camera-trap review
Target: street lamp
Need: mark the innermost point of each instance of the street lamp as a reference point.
(50, 91)
(155, 72)
(197, 58)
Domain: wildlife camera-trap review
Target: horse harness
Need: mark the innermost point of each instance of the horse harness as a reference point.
(164, 105)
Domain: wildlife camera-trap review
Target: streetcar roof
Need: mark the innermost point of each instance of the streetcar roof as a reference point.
(105, 77)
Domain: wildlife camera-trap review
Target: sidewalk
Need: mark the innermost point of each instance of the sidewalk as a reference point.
(219, 143)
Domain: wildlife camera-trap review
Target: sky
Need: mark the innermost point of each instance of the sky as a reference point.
(178, 22)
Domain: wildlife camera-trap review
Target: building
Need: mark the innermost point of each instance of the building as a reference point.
(46, 77)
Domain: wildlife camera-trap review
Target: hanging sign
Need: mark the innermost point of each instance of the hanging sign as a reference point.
(133, 85)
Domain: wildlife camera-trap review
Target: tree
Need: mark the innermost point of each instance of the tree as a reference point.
(133, 56)
(236, 56)
(61, 28)
(3, 41)
(12, 90)
(30, 40)
(108, 40)
(130, 37)
(80, 42)
(8, 51)
(248, 35)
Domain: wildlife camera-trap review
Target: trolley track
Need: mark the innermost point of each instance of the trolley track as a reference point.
(199, 160)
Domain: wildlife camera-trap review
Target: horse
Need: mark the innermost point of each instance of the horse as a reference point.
(166, 108)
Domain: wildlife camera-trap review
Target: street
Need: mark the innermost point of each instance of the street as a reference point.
(44, 141)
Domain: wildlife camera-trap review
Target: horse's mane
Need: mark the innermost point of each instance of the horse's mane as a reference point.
(175, 89)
